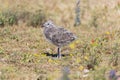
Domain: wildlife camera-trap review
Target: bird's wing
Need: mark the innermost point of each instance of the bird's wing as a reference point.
(62, 36)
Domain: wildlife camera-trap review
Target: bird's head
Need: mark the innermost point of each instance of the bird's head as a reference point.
(48, 23)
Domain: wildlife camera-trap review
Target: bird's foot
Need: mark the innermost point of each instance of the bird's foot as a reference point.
(59, 56)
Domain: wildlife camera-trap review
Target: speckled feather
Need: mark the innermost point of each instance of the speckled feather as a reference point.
(58, 35)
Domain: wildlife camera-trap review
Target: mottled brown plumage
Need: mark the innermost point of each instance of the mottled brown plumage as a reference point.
(57, 35)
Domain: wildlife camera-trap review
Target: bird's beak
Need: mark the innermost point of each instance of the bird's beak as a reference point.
(42, 25)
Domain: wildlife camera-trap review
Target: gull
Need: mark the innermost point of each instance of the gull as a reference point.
(57, 35)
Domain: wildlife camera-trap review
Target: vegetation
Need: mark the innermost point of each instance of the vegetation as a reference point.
(26, 55)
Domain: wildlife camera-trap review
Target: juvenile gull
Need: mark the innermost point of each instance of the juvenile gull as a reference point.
(57, 35)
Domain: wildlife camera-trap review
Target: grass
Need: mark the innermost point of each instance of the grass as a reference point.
(26, 55)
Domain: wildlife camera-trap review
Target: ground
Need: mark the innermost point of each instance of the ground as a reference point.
(25, 54)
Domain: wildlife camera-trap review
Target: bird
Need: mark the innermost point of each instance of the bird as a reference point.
(57, 35)
(113, 76)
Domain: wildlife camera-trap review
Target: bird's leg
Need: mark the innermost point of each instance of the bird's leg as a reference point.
(59, 54)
